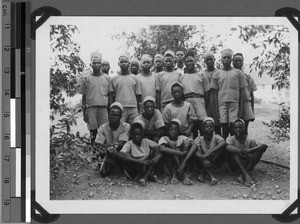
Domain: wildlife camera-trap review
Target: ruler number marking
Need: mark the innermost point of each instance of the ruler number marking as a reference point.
(6, 203)
(6, 137)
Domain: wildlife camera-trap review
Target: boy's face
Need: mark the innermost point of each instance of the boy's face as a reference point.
(177, 92)
(134, 67)
(239, 128)
(190, 63)
(169, 62)
(158, 63)
(96, 64)
(209, 127)
(114, 115)
(238, 62)
(226, 60)
(179, 56)
(123, 63)
(105, 67)
(209, 61)
(137, 136)
(173, 131)
(146, 65)
(149, 108)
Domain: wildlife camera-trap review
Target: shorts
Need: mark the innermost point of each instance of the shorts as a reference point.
(247, 111)
(129, 114)
(228, 111)
(97, 115)
(199, 107)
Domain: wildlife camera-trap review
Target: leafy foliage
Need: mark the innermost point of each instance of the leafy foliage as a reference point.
(274, 58)
(280, 129)
(65, 65)
(156, 39)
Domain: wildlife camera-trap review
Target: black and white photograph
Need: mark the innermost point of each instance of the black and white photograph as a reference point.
(166, 115)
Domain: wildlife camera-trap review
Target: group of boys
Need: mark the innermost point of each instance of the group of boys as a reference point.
(169, 116)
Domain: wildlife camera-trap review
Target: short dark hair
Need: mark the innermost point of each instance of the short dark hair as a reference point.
(134, 126)
(175, 123)
(189, 54)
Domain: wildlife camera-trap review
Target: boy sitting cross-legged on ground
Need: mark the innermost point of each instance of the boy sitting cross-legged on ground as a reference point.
(244, 152)
(175, 147)
(139, 155)
(211, 150)
(112, 136)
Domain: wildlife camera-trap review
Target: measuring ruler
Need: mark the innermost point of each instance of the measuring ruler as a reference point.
(15, 191)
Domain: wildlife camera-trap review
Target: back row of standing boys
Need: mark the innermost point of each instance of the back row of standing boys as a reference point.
(171, 115)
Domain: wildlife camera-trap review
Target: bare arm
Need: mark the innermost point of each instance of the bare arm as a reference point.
(170, 151)
(84, 109)
(252, 101)
(221, 145)
(157, 132)
(126, 157)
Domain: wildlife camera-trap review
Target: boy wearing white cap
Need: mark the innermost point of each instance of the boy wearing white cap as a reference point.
(211, 150)
(94, 90)
(111, 137)
(243, 152)
(211, 106)
(126, 89)
(164, 80)
(147, 80)
(177, 150)
(152, 119)
(139, 155)
(228, 85)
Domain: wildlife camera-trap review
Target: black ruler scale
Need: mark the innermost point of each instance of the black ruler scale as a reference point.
(14, 171)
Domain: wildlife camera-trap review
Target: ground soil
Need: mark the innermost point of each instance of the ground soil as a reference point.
(271, 177)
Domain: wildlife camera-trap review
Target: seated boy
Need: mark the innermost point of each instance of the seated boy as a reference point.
(211, 150)
(112, 136)
(152, 118)
(181, 110)
(175, 146)
(243, 152)
(139, 155)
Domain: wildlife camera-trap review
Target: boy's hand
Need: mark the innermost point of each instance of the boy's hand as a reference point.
(147, 162)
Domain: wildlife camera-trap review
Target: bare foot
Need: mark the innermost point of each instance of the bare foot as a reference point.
(187, 181)
(214, 181)
(154, 178)
(142, 182)
(201, 177)
(240, 178)
(174, 180)
(248, 181)
(207, 163)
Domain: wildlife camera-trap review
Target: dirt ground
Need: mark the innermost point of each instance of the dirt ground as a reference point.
(271, 177)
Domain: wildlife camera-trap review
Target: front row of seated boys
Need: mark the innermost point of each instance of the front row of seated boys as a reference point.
(139, 152)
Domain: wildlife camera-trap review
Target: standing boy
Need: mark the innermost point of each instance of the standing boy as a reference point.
(248, 110)
(211, 105)
(181, 110)
(195, 86)
(112, 136)
(228, 85)
(152, 118)
(94, 89)
(180, 66)
(158, 64)
(126, 89)
(164, 80)
(244, 152)
(147, 80)
(134, 66)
